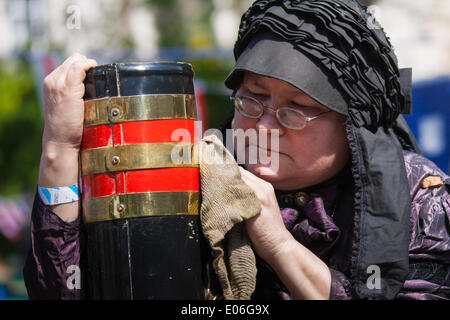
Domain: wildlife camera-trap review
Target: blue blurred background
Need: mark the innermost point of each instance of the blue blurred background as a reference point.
(430, 120)
(37, 35)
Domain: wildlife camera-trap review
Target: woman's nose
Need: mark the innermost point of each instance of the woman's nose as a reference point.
(269, 121)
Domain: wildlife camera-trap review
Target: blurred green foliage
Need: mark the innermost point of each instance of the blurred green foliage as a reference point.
(21, 128)
(177, 28)
(182, 24)
(213, 73)
(21, 121)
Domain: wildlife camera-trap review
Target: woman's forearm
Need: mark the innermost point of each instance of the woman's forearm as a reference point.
(303, 273)
(58, 168)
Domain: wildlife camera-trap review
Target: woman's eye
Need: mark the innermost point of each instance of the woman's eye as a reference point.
(299, 106)
(304, 108)
(259, 95)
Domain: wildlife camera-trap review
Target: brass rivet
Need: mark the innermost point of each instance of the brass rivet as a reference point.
(115, 112)
(115, 160)
(120, 207)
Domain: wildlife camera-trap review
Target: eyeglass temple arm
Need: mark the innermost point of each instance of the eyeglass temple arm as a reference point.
(317, 116)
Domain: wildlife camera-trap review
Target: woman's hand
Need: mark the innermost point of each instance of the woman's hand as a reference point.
(63, 129)
(266, 230)
(63, 102)
(302, 272)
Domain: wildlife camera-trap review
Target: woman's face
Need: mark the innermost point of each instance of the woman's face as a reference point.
(306, 157)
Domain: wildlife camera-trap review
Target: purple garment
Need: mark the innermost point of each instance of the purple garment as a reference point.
(56, 245)
(331, 238)
(430, 220)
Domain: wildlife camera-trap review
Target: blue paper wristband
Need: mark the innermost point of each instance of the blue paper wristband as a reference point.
(58, 195)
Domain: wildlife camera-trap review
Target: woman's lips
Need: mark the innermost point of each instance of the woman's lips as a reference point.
(268, 150)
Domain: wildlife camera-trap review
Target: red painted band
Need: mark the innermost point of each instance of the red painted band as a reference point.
(96, 137)
(166, 179)
(152, 131)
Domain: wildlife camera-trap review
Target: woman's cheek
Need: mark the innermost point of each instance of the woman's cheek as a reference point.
(240, 122)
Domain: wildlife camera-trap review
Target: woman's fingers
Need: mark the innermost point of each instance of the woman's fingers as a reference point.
(77, 71)
(61, 71)
(64, 105)
(65, 66)
(263, 189)
(248, 174)
(254, 179)
(248, 177)
(57, 78)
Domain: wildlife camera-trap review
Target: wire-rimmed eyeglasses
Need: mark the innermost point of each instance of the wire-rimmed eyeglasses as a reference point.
(288, 117)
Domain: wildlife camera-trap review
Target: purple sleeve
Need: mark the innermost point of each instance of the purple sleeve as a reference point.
(423, 290)
(340, 286)
(429, 249)
(52, 267)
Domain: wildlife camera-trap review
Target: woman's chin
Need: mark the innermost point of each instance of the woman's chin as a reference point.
(280, 179)
(266, 172)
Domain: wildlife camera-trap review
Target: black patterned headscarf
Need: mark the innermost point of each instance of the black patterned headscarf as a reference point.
(342, 40)
(335, 52)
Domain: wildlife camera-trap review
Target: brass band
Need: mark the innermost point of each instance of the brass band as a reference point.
(133, 205)
(138, 156)
(139, 108)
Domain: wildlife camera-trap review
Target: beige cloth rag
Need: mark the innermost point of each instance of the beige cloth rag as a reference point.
(226, 202)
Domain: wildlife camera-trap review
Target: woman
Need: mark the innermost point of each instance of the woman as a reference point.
(351, 213)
